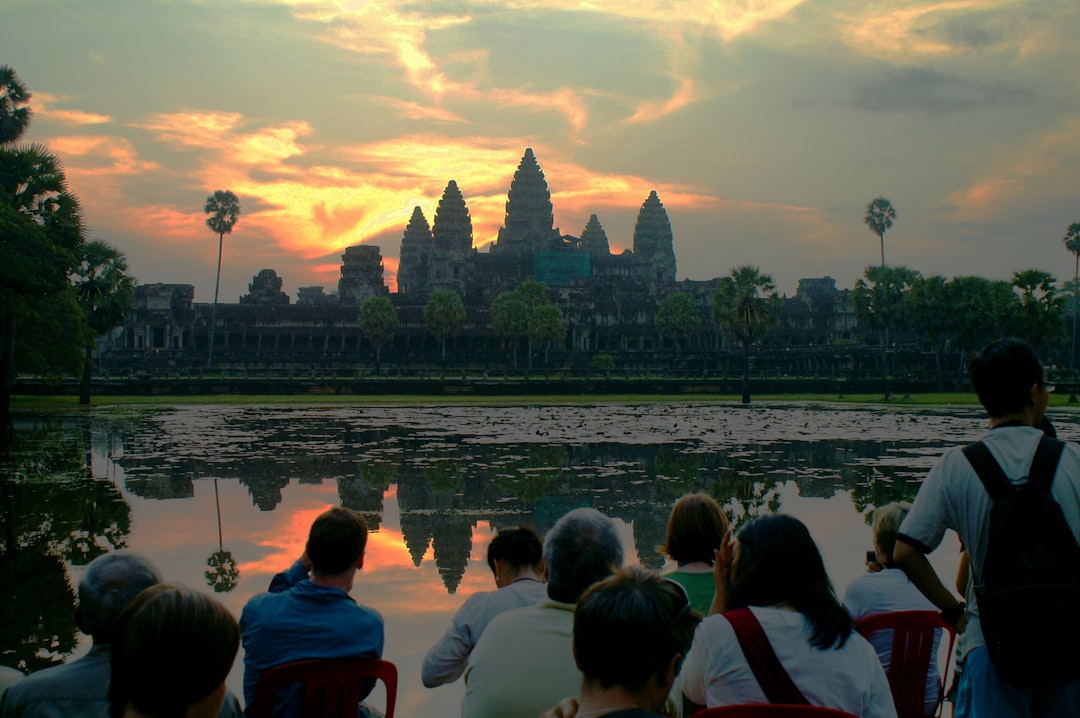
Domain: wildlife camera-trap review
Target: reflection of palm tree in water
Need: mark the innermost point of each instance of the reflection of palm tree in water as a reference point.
(222, 573)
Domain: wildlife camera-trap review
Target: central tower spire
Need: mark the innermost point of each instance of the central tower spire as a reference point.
(530, 217)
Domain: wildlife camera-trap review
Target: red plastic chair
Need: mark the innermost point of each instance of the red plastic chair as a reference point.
(331, 686)
(912, 646)
(771, 710)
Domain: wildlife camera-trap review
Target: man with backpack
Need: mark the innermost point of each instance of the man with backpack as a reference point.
(1014, 499)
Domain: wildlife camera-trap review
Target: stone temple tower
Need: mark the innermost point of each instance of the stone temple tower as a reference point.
(452, 237)
(654, 245)
(416, 248)
(594, 239)
(530, 218)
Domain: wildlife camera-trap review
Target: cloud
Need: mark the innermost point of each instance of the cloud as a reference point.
(913, 89)
(43, 103)
(1044, 168)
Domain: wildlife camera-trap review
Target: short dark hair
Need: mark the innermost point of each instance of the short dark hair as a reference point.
(173, 647)
(521, 547)
(579, 550)
(696, 526)
(107, 586)
(1003, 374)
(779, 562)
(336, 541)
(628, 627)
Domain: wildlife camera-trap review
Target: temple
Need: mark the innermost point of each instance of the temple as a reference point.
(607, 301)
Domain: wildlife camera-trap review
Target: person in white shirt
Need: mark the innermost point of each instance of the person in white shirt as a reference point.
(515, 557)
(888, 590)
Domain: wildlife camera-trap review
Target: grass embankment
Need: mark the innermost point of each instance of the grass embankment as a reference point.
(25, 403)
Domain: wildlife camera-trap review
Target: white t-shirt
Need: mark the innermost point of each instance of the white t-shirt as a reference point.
(953, 497)
(849, 678)
(887, 591)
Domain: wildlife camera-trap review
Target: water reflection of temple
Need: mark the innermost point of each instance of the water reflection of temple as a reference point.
(447, 484)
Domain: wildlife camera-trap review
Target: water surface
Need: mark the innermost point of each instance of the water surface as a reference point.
(222, 496)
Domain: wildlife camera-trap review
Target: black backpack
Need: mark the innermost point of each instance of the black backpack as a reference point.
(1029, 588)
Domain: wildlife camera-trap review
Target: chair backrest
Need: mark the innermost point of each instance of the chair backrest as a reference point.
(912, 646)
(771, 710)
(331, 686)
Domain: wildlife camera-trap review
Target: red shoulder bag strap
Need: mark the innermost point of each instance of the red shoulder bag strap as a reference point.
(768, 671)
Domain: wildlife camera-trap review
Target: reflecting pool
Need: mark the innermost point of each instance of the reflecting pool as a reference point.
(221, 497)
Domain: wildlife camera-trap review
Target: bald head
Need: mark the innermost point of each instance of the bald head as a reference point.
(108, 585)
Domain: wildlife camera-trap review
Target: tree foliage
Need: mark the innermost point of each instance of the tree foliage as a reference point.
(1072, 243)
(879, 297)
(746, 305)
(678, 316)
(444, 315)
(14, 114)
(42, 234)
(105, 293)
(527, 312)
(378, 321)
(1040, 316)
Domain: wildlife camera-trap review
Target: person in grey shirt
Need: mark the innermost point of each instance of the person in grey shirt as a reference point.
(79, 689)
(515, 557)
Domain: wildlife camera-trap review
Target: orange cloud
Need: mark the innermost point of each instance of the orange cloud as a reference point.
(42, 106)
(652, 111)
(97, 155)
(1043, 167)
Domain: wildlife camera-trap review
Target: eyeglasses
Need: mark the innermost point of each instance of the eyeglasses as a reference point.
(685, 599)
(1048, 386)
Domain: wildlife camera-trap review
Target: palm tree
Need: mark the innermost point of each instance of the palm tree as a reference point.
(105, 292)
(224, 209)
(1072, 243)
(14, 115)
(222, 573)
(745, 303)
(880, 215)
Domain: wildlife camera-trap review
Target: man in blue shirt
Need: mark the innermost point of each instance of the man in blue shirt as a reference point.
(306, 617)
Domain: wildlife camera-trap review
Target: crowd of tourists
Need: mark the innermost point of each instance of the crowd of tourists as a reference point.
(746, 616)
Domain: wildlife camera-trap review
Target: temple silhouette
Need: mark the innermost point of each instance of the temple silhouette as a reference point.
(608, 302)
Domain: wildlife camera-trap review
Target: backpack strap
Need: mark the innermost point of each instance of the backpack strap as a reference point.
(1044, 465)
(988, 469)
(775, 682)
(1040, 475)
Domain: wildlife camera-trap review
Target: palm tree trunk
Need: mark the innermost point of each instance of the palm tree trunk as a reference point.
(84, 385)
(882, 238)
(746, 372)
(213, 310)
(378, 352)
(217, 503)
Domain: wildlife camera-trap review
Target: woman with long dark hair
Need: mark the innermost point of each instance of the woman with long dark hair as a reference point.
(777, 633)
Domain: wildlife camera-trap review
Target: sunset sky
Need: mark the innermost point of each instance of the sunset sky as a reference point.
(764, 125)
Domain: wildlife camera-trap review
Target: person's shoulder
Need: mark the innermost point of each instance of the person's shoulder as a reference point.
(368, 614)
